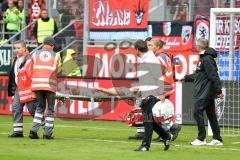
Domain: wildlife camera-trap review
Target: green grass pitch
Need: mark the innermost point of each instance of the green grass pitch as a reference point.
(104, 140)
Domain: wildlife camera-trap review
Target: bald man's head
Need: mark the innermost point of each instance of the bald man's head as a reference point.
(202, 44)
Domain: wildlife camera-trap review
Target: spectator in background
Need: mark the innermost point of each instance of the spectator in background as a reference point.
(20, 7)
(78, 26)
(44, 27)
(177, 16)
(185, 12)
(203, 7)
(13, 20)
(65, 18)
(181, 15)
(69, 66)
(64, 15)
(4, 6)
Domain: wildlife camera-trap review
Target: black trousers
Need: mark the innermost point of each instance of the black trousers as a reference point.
(149, 124)
(200, 106)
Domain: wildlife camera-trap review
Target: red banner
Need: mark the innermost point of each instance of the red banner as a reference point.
(102, 63)
(185, 63)
(79, 109)
(34, 10)
(115, 14)
(116, 63)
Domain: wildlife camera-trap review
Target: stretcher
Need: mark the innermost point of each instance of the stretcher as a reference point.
(94, 98)
(63, 96)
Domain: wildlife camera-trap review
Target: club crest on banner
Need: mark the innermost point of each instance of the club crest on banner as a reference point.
(186, 34)
(167, 28)
(139, 13)
(220, 105)
(202, 31)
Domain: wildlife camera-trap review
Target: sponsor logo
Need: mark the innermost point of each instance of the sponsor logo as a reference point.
(45, 56)
(24, 78)
(105, 16)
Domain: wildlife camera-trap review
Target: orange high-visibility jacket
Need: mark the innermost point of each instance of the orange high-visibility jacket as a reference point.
(24, 80)
(44, 70)
(168, 73)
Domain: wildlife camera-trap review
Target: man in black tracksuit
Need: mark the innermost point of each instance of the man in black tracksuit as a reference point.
(207, 87)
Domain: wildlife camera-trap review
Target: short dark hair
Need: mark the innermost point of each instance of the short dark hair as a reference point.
(141, 46)
(21, 42)
(148, 39)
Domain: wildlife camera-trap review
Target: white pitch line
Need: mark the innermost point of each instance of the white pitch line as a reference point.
(4, 133)
(96, 128)
(101, 128)
(157, 144)
(236, 143)
(160, 144)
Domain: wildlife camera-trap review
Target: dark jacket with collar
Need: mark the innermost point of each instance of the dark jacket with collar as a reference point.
(12, 86)
(207, 84)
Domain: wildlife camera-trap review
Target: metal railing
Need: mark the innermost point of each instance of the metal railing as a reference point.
(17, 33)
(4, 32)
(58, 33)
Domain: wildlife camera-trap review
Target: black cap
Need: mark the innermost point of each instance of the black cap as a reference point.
(49, 41)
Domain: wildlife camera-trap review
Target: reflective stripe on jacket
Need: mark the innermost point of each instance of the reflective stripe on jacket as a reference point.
(44, 29)
(25, 80)
(45, 66)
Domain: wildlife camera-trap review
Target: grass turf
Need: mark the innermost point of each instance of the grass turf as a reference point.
(89, 140)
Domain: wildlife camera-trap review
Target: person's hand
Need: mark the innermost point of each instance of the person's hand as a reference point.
(134, 90)
(95, 88)
(221, 96)
(16, 12)
(181, 79)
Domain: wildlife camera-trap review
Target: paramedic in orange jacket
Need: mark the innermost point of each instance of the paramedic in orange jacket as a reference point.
(44, 84)
(17, 87)
(166, 60)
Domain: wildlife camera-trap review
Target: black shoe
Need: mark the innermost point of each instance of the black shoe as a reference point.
(48, 137)
(16, 135)
(158, 139)
(167, 144)
(142, 149)
(138, 136)
(175, 129)
(33, 135)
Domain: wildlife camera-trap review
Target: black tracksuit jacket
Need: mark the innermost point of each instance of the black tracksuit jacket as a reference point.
(207, 84)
